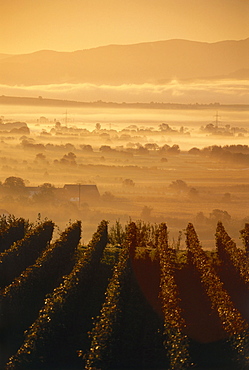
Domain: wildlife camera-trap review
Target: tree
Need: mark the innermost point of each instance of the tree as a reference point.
(69, 158)
(46, 193)
(193, 193)
(164, 148)
(178, 185)
(200, 218)
(165, 127)
(164, 160)
(210, 127)
(142, 150)
(105, 148)
(175, 149)
(128, 182)
(70, 147)
(219, 215)
(41, 159)
(13, 182)
(40, 156)
(226, 198)
(47, 186)
(245, 237)
(14, 185)
(194, 151)
(151, 146)
(86, 147)
(146, 212)
(116, 235)
(108, 196)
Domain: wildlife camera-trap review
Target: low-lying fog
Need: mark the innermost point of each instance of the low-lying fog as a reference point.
(142, 162)
(191, 120)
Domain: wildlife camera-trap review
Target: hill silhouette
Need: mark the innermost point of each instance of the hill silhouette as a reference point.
(151, 62)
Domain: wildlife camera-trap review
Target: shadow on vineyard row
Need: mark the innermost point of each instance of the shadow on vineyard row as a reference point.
(127, 300)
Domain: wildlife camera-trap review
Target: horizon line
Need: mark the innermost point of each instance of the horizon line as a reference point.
(44, 99)
(121, 44)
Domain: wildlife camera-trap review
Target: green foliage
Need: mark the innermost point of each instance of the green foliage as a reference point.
(122, 334)
(176, 244)
(24, 252)
(146, 234)
(116, 234)
(51, 262)
(110, 255)
(231, 319)
(104, 332)
(181, 259)
(128, 183)
(229, 253)
(123, 331)
(176, 341)
(245, 236)
(13, 182)
(179, 186)
(11, 230)
(61, 303)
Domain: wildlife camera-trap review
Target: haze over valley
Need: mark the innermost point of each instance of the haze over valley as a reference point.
(179, 71)
(151, 171)
(161, 128)
(149, 93)
(124, 187)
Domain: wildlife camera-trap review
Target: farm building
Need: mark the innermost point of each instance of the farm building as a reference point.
(78, 192)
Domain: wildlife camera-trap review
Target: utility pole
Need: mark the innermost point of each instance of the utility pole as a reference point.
(66, 118)
(217, 119)
(79, 195)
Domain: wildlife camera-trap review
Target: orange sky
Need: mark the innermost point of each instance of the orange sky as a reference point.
(68, 25)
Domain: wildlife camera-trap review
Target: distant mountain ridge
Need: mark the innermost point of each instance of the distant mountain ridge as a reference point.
(151, 62)
(3, 56)
(48, 102)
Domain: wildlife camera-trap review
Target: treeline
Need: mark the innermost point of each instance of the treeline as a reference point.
(72, 150)
(40, 101)
(230, 153)
(238, 154)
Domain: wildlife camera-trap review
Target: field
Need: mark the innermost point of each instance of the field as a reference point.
(126, 300)
(106, 146)
(135, 293)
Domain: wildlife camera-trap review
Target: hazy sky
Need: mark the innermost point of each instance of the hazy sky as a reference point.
(68, 25)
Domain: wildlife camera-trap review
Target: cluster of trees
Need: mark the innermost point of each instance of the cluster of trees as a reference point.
(181, 187)
(59, 129)
(14, 127)
(226, 130)
(215, 216)
(13, 183)
(132, 148)
(30, 143)
(15, 187)
(238, 154)
(139, 149)
(67, 159)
